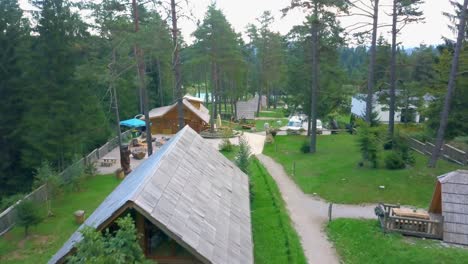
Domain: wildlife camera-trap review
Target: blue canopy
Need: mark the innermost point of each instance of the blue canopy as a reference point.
(133, 123)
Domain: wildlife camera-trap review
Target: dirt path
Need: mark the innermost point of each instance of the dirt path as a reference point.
(309, 214)
(255, 140)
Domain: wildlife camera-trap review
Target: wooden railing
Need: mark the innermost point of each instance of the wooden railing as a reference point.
(414, 226)
(408, 226)
(447, 152)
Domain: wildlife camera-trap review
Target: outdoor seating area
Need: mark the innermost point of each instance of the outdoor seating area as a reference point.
(408, 221)
(108, 161)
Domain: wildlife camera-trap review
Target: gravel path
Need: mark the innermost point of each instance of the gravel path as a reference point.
(310, 214)
(255, 140)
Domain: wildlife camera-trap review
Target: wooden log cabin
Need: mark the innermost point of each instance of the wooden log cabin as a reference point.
(164, 120)
(189, 202)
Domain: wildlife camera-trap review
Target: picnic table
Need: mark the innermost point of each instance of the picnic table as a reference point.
(407, 212)
(109, 161)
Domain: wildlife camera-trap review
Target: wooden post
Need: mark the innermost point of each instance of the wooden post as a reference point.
(140, 226)
(330, 208)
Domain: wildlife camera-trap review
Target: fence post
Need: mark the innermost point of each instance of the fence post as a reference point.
(330, 208)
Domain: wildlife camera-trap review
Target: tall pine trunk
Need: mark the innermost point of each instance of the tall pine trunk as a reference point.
(450, 89)
(391, 121)
(315, 82)
(176, 66)
(371, 70)
(141, 76)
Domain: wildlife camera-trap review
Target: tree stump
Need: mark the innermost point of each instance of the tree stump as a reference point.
(79, 216)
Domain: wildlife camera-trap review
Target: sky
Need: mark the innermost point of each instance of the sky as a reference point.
(242, 12)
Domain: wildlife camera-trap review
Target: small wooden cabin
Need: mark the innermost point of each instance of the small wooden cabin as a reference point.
(450, 201)
(446, 219)
(189, 202)
(164, 120)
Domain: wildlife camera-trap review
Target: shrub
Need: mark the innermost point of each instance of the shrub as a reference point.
(27, 213)
(10, 200)
(242, 158)
(75, 175)
(121, 246)
(45, 174)
(90, 169)
(400, 146)
(225, 145)
(367, 141)
(305, 147)
(393, 161)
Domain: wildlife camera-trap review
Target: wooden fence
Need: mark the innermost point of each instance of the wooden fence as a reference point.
(447, 152)
(8, 217)
(429, 228)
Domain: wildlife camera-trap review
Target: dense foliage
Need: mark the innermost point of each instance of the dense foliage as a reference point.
(58, 64)
(122, 246)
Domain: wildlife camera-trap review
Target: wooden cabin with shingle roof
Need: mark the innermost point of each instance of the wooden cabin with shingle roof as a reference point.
(189, 203)
(164, 120)
(450, 201)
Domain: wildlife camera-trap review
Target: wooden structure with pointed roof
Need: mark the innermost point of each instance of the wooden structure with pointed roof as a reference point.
(164, 119)
(189, 202)
(450, 200)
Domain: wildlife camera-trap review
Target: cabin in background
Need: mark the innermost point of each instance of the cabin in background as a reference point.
(248, 109)
(164, 120)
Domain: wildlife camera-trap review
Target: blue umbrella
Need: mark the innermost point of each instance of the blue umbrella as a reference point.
(133, 123)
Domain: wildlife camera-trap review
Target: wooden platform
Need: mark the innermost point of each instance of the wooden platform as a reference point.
(410, 222)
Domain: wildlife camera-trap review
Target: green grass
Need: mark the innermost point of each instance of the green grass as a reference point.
(333, 172)
(51, 234)
(275, 113)
(275, 240)
(362, 241)
(259, 124)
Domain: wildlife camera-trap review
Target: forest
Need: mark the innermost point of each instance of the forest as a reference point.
(63, 65)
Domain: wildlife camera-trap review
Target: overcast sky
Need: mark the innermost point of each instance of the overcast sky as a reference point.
(242, 12)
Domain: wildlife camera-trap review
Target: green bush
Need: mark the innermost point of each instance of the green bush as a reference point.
(225, 145)
(305, 147)
(368, 145)
(27, 213)
(90, 169)
(10, 200)
(242, 158)
(394, 161)
(121, 246)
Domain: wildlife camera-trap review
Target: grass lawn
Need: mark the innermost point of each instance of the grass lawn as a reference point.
(362, 241)
(333, 172)
(259, 124)
(276, 113)
(275, 240)
(45, 239)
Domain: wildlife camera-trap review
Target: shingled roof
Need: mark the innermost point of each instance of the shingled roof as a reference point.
(161, 111)
(455, 206)
(193, 193)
